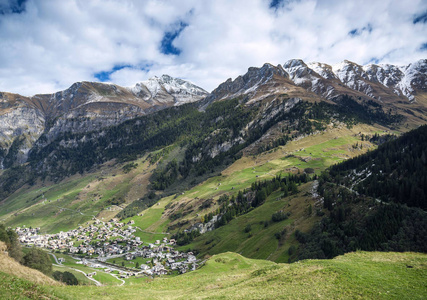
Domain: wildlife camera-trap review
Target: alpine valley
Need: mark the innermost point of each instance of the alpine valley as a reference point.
(324, 165)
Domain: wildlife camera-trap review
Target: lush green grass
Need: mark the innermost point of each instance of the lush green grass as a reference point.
(83, 280)
(12, 287)
(150, 216)
(74, 201)
(106, 278)
(360, 275)
(31, 195)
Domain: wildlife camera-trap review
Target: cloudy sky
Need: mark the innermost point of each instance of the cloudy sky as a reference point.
(46, 45)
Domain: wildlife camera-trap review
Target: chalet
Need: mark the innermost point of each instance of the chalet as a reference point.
(129, 256)
(191, 258)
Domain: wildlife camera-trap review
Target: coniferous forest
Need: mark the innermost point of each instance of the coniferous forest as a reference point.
(375, 201)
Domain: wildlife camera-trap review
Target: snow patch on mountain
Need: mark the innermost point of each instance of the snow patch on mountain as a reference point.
(414, 75)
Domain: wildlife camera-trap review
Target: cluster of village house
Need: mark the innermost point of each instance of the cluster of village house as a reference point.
(113, 239)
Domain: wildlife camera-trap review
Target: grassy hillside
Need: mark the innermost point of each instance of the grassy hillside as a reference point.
(375, 201)
(10, 266)
(357, 275)
(316, 151)
(82, 197)
(263, 239)
(62, 206)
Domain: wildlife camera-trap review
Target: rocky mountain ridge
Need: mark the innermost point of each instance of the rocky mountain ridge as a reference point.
(382, 82)
(85, 106)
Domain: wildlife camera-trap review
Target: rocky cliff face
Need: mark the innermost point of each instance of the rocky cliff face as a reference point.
(85, 106)
(21, 125)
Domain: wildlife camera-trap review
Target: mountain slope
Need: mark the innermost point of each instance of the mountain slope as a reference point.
(88, 106)
(395, 172)
(208, 140)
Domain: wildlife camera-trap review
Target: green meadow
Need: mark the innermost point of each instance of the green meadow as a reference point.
(357, 275)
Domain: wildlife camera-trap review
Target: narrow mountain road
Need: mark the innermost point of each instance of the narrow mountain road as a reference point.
(150, 231)
(90, 278)
(117, 277)
(54, 256)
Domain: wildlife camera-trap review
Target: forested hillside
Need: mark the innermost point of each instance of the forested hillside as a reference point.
(396, 172)
(375, 201)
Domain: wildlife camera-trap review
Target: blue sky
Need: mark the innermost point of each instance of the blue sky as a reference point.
(47, 45)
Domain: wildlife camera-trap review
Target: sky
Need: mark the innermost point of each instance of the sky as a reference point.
(47, 45)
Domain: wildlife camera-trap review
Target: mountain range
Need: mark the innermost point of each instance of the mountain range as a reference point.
(87, 106)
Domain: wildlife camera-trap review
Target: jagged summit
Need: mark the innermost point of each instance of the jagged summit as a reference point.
(405, 81)
(257, 82)
(377, 81)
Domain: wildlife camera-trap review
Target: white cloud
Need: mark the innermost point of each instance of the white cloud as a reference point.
(53, 44)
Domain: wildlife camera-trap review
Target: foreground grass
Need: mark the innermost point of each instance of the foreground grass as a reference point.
(12, 287)
(359, 275)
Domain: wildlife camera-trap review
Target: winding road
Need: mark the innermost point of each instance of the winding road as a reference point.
(90, 278)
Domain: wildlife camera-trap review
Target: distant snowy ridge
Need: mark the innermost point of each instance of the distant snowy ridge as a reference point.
(402, 80)
(377, 81)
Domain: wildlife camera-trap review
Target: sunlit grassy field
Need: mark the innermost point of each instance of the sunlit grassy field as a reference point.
(360, 275)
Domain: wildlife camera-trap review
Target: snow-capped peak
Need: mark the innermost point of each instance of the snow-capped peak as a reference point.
(322, 69)
(165, 87)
